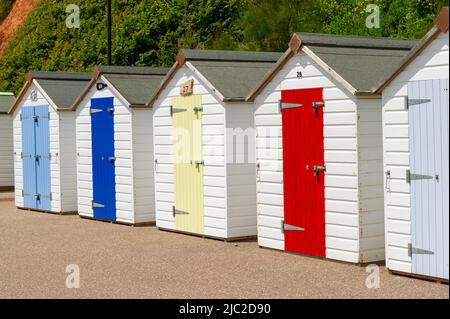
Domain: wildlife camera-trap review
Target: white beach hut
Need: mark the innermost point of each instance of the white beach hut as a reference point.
(44, 141)
(319, 147)
(203, 129)
(6, 142)
(416, 157)
(114, 145)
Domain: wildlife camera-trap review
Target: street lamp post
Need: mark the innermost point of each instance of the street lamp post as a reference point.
(109, 22)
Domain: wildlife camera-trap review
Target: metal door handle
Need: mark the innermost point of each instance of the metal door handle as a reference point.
(318, 169)
(112, 158)
(388, 180)
(198, 109)
(197, 163)
(316, 105)
(38, 156)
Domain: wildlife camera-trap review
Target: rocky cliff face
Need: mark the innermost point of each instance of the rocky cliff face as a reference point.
(19, 12)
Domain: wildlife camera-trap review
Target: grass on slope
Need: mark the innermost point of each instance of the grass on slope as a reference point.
(5, 7)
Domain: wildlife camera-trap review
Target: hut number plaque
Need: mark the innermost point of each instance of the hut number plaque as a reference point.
(187, 88)
(33, 96)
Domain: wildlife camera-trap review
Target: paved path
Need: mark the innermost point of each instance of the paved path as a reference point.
(124, 262)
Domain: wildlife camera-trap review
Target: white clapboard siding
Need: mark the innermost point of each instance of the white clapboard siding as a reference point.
(241, 170)
(432, 63)
(67, 161)
(353, 155)
(124, 162)
(213, 126)
(134, 159)
(56, 178)
(143, 174)
(6, 151)
(55, 164)
(370, 177)
(18, 165)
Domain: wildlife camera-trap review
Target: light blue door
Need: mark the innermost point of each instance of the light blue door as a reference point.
(103, 159)
(42, 132)
(36, 157)
(429, 177)
(28, 157)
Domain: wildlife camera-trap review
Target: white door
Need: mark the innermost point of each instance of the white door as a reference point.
(429, 177)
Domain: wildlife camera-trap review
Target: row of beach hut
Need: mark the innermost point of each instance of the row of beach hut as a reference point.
(337, 148)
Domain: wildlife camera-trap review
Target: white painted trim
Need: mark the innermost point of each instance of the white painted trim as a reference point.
(205, 81)
(114, 91)
(49, 100)
(329, 69)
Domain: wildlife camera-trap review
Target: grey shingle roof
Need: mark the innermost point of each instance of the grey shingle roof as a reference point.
(62, 87)
(328, 40)
(6, 101)
(361, 61)
(136, 84)
(237, 56)
(233, 73)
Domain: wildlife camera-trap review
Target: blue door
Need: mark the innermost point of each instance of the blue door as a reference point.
(103, 159)
(36, 158)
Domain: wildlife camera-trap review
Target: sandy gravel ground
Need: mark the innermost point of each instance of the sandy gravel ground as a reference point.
(124, 262)
(6, 196)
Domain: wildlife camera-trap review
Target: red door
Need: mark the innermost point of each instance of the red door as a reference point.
(304, 171)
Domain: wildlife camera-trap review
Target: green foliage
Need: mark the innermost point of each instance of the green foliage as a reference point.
(268, 25)
(5, 7)
(398, 18)
(145, 32)
(150, 32)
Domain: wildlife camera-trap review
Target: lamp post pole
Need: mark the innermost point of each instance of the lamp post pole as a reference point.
(109, 33)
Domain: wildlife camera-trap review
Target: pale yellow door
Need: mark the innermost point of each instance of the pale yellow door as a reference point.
(188, 163)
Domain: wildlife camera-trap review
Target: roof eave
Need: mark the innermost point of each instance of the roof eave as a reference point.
(29, 80)
(234, 99)
(328, 69)
(441, 25)
(366, 94)
(138, 106)
(271, 74)
(430, 36)
(295, 46)
(181, 59)
(96, 74)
